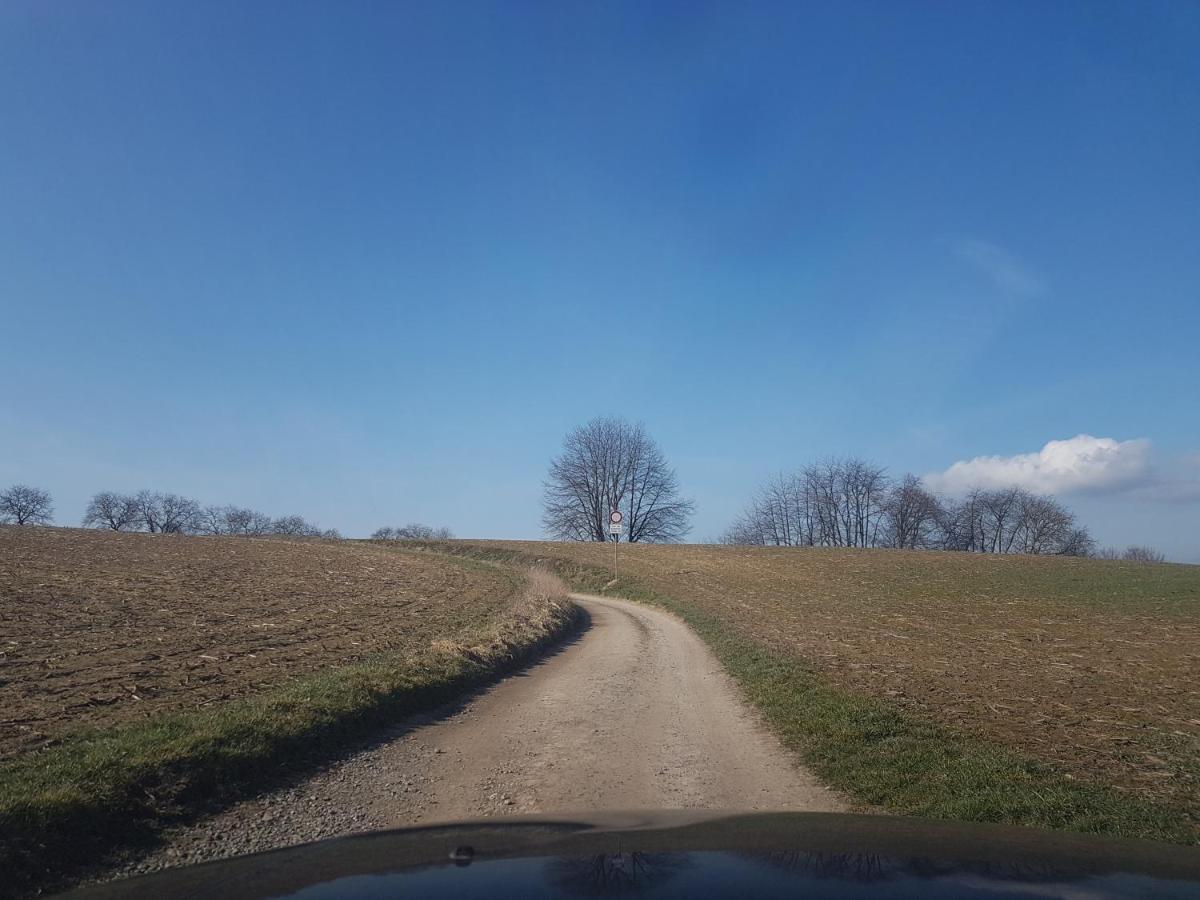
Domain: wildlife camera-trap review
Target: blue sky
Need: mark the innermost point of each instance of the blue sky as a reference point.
(369, 262)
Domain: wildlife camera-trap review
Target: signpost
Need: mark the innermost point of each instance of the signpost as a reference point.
(614, 529)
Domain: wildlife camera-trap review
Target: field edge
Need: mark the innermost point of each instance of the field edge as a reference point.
(76, 806)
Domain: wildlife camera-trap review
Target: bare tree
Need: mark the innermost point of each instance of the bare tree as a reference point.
(167, 513)
(1078, 542)
(784, 512)
(294, 525)
(413, 531)
(1043, 525)
(835, 503)
(1131, 554)
(960, 524)
(610, 464)
(251, 522)
(911, 516)
(25, 505)
(180, 515)
(234, 520)
(864, 493)
(149, 515)
(116, 512)
(1143, 554)
(1013, 520)
(846, 499)
(822, 483)
(743, 532)
(1001, 517)
(213, 520)
(850, 503)
(780, 514)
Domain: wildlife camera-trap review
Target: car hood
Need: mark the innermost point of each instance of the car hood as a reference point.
(680, 854)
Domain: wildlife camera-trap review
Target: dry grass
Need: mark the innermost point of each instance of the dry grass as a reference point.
(1090, 666)
(539, 608)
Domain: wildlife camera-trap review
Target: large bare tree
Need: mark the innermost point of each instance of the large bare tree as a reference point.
(611, 464)
(25, 505)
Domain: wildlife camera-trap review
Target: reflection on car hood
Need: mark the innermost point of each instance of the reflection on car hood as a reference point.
(691, 855)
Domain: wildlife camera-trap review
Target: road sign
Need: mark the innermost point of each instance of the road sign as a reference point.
(614, 532)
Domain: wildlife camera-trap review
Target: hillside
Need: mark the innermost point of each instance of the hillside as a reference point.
(104, 628)
(146, 680)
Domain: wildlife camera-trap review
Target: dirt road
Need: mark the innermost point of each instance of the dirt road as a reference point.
(636, 713)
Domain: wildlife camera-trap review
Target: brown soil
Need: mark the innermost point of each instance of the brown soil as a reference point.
(99, 628)
(1087, 664)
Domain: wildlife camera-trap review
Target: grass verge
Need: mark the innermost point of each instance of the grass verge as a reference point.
(882, 755)
(68, 807)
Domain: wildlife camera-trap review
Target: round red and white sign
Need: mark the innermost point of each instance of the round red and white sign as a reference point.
(615, 517)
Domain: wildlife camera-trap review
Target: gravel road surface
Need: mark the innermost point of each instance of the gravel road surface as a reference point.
(635, 713)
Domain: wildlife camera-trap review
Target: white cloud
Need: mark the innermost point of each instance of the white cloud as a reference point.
(1080, 464)
(1003, 268)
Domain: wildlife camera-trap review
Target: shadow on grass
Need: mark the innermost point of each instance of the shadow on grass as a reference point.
(104, 798)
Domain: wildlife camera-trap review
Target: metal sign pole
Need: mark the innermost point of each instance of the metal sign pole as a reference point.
(614, 531)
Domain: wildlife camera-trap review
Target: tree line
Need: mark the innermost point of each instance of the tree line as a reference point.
(1132, 554)
(413, 531)
(166, 513)
(609, 464)
(154, 512)
(853, 503)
